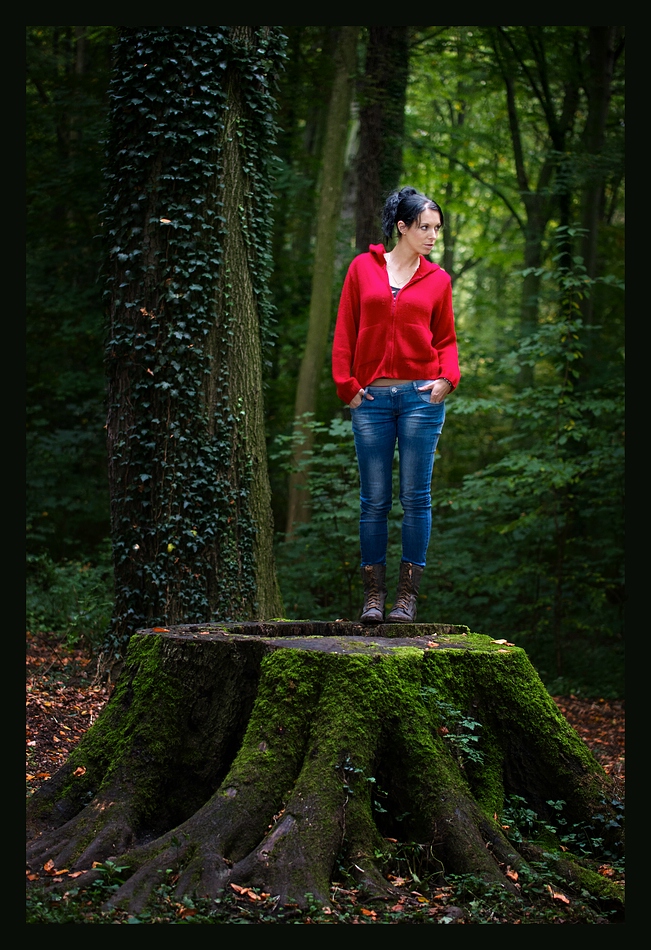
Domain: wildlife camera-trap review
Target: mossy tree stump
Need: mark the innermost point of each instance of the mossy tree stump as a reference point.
(262, 754)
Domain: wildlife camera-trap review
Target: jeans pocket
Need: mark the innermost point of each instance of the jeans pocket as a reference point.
(425, 396)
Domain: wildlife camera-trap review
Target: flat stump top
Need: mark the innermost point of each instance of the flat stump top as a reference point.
(339, 636)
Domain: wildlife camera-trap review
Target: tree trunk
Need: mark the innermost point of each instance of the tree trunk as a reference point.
(383, 94)
(604, 48)
(264, 754)
(320, 316)
(186, 217)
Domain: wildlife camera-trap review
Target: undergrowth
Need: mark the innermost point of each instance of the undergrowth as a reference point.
(419, 894)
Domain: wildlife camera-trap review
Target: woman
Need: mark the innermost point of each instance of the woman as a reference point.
(394, 360)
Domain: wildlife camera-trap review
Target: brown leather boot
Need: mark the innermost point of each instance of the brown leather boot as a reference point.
(404, 608)
(375, 593)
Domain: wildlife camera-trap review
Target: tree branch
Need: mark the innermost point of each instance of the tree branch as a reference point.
(473, 174)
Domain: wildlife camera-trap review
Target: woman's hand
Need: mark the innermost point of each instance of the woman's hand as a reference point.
(357, 400)
(439, 389)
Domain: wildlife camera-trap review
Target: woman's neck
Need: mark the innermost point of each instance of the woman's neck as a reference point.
(403, 258)
(401, 265)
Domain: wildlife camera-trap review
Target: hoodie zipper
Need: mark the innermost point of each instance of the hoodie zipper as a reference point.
(394, 307)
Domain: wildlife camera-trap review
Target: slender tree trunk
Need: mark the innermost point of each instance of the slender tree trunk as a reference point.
(541, 198)
(321, 298)
(603, 51)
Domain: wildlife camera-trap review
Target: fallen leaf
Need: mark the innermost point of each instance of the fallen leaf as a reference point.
(49, 868)
(246, 892)
(160, 629)
(511, 874)
(557, 895)
(80, 771)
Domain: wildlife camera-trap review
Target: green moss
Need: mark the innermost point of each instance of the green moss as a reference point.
(600, 887)
(518, 716)
(275, 738)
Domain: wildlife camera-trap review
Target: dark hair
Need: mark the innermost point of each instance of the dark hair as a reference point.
(405, 205)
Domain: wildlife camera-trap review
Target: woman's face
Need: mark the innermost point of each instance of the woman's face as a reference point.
(421, 236)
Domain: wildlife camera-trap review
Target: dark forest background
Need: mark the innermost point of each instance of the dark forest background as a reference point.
(518, 133)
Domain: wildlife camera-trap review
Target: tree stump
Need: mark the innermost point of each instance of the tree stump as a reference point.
(271, 755)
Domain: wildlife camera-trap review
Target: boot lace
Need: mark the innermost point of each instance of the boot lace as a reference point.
(373, 593)
(405, 593)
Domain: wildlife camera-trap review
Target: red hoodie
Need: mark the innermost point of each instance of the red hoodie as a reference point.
(410, 336)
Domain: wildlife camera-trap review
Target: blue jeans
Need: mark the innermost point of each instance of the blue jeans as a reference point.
(402, 414)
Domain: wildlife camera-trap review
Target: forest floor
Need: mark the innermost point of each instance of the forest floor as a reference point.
(64, 698)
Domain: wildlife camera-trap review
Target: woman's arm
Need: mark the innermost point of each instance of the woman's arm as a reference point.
(444, 339)
(345, 338)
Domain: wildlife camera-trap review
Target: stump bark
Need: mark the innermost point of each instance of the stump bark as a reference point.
(276, 755)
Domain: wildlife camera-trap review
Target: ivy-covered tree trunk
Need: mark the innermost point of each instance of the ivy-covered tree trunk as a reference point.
(187, 218)
(280, 755)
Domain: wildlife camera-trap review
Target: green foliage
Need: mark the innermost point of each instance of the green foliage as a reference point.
(590, 839)
(73, 599)
(66, 121)
(329, 543)
(459, 730)
(542, 898)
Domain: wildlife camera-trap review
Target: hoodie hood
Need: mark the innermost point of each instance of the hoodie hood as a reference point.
(377, 252)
